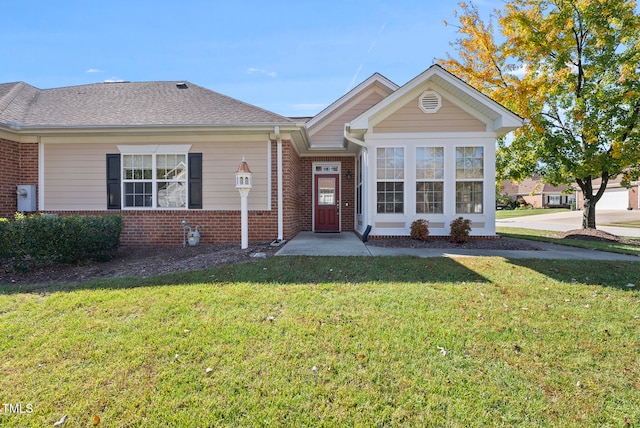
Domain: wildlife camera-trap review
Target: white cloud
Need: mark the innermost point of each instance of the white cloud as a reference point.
(114, 80)
(252, 70)
(520, 71)
(94, 70)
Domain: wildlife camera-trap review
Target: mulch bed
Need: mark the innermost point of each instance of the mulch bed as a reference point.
(143, 262)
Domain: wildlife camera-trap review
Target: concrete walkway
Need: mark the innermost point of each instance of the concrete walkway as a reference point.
(324, 244)
(348, 244)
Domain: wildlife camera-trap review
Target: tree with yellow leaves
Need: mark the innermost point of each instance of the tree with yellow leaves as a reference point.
(572, 68)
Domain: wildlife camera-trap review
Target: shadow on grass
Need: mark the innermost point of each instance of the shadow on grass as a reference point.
(293, 270)
(616, 274)
(393, 269)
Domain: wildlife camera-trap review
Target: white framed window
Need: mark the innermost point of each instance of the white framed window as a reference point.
(359, 186)
(429, 180)
(390, 180)
(469, 180)
(555, 199)
(154, 177)
(154, 180)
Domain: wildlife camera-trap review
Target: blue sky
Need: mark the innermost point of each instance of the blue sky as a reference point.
(291, 57)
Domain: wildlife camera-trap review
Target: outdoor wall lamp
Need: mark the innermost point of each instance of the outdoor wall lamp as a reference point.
(349, 175)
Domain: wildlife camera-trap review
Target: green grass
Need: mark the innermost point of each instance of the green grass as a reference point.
(522, 212)
(526, 343)
(555, 238)
(632, 224)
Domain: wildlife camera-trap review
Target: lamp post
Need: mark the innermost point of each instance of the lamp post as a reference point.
(243, 184)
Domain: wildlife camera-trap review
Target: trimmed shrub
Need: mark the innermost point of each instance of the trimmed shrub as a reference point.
(7, 240)
(52, 239)
(420, 229)
(460, 229)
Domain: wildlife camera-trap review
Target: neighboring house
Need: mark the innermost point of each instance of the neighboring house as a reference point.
(535, 192)
(615, 196)
(158, 153)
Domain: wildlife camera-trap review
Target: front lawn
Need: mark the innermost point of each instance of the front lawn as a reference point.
(522, 212)
(328, 341)
(631, 246)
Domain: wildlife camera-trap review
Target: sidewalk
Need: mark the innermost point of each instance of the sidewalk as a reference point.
(348, 244)
(570, 220)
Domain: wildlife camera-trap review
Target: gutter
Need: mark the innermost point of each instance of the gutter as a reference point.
(348, 137)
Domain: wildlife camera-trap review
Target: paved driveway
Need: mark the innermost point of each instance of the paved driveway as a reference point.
(569, 220)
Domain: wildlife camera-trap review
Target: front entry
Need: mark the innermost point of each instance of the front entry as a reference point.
(327, 203)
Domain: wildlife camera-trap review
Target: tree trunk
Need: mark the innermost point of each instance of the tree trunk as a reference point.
(589, 214)
(590, 200)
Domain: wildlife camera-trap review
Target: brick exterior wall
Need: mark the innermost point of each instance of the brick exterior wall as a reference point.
(29, 163)
(293, 199)
(9, 178)
(164, 227)
(20, 166)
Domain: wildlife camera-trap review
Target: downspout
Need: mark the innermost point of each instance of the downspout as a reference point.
(365, 179)
(280, 203)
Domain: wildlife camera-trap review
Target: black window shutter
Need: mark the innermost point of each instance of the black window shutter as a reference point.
(195, 181)
(113, 181)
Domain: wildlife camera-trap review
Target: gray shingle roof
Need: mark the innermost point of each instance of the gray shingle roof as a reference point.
(126, 104)
(14, 101)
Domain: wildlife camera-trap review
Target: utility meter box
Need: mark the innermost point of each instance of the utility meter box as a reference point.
(26, 194)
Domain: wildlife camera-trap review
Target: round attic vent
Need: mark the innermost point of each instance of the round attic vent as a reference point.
(430, 101)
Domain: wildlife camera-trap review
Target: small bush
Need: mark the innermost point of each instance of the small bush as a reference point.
(52, 239)
(7, 241)
(420, 229)
(460, 229)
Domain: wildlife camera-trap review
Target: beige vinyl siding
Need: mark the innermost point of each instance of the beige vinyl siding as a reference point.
(220, 161)
(332, 132)
(75, 173)
(75, 176)
(410, 118)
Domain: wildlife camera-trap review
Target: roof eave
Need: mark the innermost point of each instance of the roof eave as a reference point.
(240, 127)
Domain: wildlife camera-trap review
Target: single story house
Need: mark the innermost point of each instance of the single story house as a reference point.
(158, 153)
(615, 197)
(535, 192)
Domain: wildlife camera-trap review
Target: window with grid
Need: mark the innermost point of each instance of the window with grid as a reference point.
(429, 180)
(469, 183)
(359, 184)
(390, 180)
(154, 180)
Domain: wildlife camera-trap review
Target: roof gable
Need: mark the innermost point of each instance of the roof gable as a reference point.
(376, 83)
(497, 118)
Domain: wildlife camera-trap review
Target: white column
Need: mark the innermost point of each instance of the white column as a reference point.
(244, 219)
(280, 184)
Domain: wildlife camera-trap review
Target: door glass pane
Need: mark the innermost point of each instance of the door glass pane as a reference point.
(326, 191)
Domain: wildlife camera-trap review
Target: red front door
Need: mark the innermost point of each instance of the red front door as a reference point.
(327, 203)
